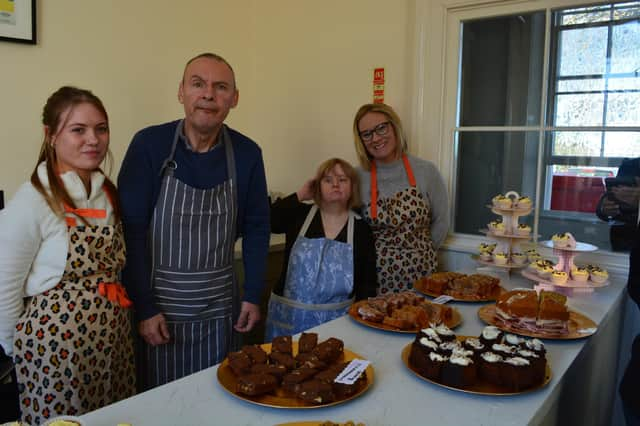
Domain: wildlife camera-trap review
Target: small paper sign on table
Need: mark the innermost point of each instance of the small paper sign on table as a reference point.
(352, 372)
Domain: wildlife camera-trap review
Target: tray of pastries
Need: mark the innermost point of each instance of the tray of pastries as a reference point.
(542, 315)
(404, 312)
(494, 363)
(295, 375)
(462, 287)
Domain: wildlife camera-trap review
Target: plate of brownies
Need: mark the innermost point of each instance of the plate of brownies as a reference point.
(495, 363)
(405, 312)
(543, 315)
(295, 375)
(462, 287)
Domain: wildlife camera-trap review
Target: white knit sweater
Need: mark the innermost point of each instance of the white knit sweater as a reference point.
(34, 244)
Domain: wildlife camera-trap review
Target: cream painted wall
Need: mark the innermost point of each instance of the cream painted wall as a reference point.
(314, 67)
(303, 68)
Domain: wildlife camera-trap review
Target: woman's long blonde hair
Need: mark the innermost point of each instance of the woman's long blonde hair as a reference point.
(58, 103)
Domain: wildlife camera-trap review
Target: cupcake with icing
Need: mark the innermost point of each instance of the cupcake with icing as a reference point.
(500, 258)
(599, 275)
(559, 277)
(545, 272)
(492, 225)
(502, 202)
(491, 335)
(563, 240)
(580, 275)
(518, 258)
(499, 229)
(523, 229)
(523, 203)
(486, 251)
(486, 247)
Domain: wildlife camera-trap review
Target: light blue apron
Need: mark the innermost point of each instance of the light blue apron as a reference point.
(318, 285)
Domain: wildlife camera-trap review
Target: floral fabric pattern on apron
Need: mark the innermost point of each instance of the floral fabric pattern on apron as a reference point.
(318, 285)
(73, 347)
(402, 233)
(192, 240)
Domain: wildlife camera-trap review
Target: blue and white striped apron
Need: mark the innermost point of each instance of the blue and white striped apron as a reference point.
(318, 285)
(192, 239)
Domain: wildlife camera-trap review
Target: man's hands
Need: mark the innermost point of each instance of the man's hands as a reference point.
(629, 195)
(154, 330)
(249, 317)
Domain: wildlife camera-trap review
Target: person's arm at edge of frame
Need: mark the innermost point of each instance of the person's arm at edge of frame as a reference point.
(439, 202)
(135, 188)
(366, 281)
(255, 245)
(20, 238)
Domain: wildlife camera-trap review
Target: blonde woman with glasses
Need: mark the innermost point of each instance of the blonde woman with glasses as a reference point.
(404, 199)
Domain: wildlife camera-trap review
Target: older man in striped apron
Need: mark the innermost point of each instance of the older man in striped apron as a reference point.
(188, 189)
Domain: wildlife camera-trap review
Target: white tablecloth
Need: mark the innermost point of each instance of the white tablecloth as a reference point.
(581, 391)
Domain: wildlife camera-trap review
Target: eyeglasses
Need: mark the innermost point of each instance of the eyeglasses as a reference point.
(381, 130)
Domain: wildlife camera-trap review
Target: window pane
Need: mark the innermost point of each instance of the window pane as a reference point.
(501, 75)
(491, 163)
(582, 51)
(622, 144)
(571, 196)
(632, 83)
(579, 110)
(623, 109)
(576, 144)
(625, 50)
(585, 15)
(627, 10)
(581, 85)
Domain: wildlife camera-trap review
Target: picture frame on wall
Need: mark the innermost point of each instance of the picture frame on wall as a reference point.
(18, 21)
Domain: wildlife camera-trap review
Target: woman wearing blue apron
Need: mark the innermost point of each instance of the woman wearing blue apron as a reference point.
(329, 252)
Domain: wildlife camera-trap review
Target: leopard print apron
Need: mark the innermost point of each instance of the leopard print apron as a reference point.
(401, 226)
(73, 346)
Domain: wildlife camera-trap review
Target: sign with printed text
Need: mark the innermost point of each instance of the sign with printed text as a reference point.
(378, 85)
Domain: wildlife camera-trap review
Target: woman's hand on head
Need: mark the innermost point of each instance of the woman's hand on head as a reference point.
(306, 191)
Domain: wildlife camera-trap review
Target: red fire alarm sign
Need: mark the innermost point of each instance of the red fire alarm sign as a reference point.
(378, 85)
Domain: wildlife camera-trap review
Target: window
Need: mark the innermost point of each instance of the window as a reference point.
(549, 106)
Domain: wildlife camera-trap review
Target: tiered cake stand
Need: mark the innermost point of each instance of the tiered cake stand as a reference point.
(510, 241)
(565, 263)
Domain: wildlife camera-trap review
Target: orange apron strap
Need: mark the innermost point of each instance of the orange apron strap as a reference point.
(374, 191)
(407, 167)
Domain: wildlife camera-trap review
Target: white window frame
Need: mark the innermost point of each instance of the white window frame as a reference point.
(437, 39)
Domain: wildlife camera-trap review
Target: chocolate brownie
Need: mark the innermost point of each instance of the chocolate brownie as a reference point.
(316, 392)
(256, 384)
(276, 370)
(307, 342)
(239, 362)
(283, 359)
(292, 380)
(281, 344)
(255, 352)
(310, 360)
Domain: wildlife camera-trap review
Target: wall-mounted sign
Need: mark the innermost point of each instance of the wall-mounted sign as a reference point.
(378, 86)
